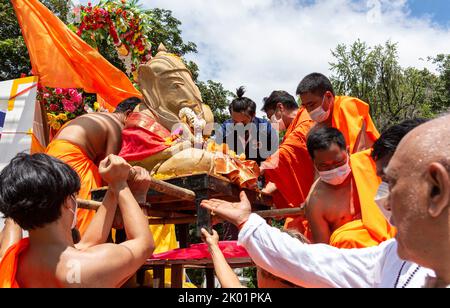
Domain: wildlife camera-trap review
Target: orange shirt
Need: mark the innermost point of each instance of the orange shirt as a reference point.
(350, 116)
(372, 228)
(293, 171)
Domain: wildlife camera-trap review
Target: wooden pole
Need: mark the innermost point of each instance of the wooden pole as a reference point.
(94, 205)
(169, 189)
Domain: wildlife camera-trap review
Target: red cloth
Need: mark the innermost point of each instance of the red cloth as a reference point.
(139, 143)
(230, 249)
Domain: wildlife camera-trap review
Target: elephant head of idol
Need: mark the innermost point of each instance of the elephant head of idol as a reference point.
(168, 88)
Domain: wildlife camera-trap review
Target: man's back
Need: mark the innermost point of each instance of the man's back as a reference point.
(98, 134)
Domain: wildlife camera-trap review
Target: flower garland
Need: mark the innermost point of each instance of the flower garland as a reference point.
(63, 104)
(123, 23)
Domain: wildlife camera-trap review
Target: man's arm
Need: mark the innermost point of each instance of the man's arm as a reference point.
(110, 265)
(309, 265)
(320, 228)
(224, 272)
(11, 234)
(98, 230)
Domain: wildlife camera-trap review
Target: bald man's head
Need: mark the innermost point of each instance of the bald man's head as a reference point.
(419, 181)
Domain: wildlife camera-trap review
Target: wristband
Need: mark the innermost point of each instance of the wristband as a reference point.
(242, 224)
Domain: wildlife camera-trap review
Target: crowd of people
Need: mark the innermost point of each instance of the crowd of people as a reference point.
(377, 206)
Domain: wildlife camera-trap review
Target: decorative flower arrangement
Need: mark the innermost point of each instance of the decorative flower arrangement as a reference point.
(121, 21)
(63, 105)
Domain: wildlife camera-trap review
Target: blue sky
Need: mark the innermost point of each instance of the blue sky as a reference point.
(268, 45)
(437, 10)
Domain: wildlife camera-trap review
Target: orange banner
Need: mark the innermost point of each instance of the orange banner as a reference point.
(61, 59)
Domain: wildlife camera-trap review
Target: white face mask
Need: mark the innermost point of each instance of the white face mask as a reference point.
(336, 176)
(319, 115)
(381, 198)
(277, 124)
(74, 221)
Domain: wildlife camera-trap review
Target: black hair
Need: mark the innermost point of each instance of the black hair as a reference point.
(322, 138)
(276, 97)
(127, 104)
(316, 84)
(391, 137)
(242, 103)
(34, 187)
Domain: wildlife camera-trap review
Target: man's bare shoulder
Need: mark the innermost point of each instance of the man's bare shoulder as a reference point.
(89, 267)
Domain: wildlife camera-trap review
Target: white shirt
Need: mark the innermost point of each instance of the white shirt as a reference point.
(320, 265)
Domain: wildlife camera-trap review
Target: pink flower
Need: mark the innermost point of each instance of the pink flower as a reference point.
(58, 91)
(73, 92)
(68, 105)
(53, 107)
(46, 95)
(77, 98)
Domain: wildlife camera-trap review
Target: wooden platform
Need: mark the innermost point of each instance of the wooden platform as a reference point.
(205, 186)
(177, 268)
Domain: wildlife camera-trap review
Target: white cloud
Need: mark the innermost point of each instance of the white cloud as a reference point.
(271, 44)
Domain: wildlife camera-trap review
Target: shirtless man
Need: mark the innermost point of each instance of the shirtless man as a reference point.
(330, 203)
(341, 209)
(39, 193)
(84, 142)
(11, 234)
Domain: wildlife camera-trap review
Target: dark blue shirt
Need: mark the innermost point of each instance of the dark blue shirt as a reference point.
(257, 139)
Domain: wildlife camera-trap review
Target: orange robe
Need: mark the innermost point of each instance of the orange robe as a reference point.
(9, 264)
(90, 178)
(350, 115)
(293, 171)
(372, 228)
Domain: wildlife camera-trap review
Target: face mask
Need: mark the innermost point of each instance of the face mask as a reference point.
(380, 199)
(277, 124)
(74, 222)
(336, 176)
(319, 115)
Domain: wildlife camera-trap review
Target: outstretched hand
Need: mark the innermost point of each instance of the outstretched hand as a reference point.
(236, 213)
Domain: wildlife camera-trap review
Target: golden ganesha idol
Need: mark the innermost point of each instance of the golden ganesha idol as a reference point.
(166, 134)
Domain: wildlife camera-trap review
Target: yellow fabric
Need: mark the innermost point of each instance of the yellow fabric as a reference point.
(90, 178)
(349, 114)
(352, 235)
(365, 174)
(372, 228)
(62, 59)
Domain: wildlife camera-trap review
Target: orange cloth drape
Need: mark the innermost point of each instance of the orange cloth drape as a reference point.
(62, 59)
(372, 228)
(9, 264)
(349, 114)
(90, 178)
(293, 171)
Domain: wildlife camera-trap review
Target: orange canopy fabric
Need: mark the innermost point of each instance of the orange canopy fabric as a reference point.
(350, 115)
(9, 263)
(62, 59)
(372, 228)
(90, 178)
(293, 171)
